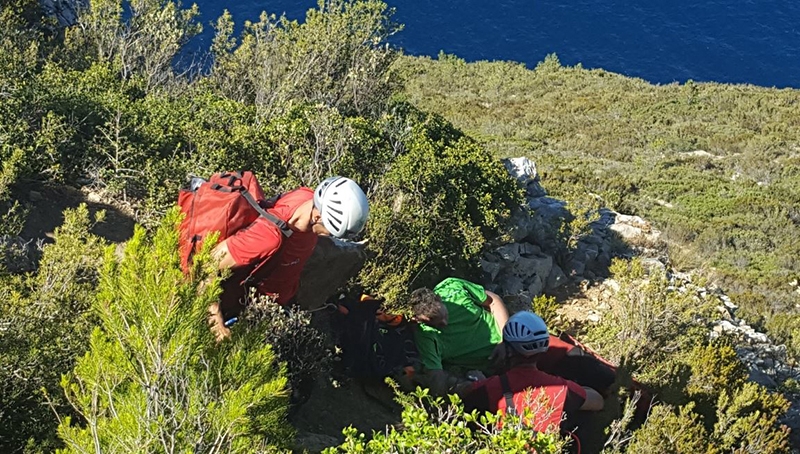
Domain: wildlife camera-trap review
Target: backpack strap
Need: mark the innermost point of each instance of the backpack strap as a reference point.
(511, 408)
(233, 178)
(266, 266)
(282, 225)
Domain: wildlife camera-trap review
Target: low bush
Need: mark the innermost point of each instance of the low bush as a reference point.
(153, 380)
(746, 421)
(648, 319)
(295, 343)
(700, 384)
(46, 324)
(433, 425)
(547, 307)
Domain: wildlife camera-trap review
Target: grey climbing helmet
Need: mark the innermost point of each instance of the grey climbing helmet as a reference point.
(526, 333)
(343, 206)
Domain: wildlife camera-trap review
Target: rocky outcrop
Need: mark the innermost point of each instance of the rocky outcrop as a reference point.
(768, 363)
(533, 263)
(527, 267)
(332, 264)
(64, 11)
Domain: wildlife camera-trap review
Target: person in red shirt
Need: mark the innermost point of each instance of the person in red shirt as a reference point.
(524, 387)
(337, 207)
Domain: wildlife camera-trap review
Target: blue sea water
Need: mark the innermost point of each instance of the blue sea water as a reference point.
(735, 41)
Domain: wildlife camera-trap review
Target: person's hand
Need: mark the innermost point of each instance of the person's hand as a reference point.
(217, 324)
(475, 375)
(499, 354)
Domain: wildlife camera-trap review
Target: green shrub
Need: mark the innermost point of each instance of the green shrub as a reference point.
(431, 425)
(46, 324)
(153, 380)
(715, 368)
(338, 58)
(747, 421)
(668, 432)
(435, 209)
(744, 420)
(647, 319)
(143, 43)
(13, 214)
(547, 308)
(584, 209)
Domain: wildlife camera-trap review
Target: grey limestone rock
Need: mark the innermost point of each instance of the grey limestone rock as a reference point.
(64, 11)
(524, 171)
(331, 265)
(490, 268)
(535, 266)
(556, 279)
(536, 287)
(511, 284)
(508, 252)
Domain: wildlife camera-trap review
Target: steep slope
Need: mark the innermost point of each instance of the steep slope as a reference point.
(715, 167)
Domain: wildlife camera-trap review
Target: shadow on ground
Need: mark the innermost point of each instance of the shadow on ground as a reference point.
(334, 406)
(45, 207)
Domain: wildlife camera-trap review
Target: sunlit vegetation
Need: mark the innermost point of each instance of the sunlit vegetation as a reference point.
(105, 348)
(715, 166)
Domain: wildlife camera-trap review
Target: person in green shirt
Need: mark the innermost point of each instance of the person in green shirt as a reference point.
(460, 324)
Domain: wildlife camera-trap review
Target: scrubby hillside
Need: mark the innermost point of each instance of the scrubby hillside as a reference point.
(715, 166)
(104, 348)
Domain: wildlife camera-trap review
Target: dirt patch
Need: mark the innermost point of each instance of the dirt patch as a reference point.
(338, 401)
(582, 303)
(46, 204)
(336, 405)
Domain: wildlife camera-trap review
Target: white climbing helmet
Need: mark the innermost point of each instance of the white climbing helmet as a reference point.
(527, 333)
(343, 206)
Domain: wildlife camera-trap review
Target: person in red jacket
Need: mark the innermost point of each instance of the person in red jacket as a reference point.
(337, 207)
(547, 398)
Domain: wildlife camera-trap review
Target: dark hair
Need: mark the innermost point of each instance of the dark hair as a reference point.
(424, 302)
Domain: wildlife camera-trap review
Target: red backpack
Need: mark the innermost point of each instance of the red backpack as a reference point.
(225, 203)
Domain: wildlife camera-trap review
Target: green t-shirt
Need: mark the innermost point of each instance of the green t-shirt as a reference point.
(471, 332)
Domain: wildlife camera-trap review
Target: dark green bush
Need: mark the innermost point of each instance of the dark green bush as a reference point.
(670, 433)
(435, 209)
(46, 323)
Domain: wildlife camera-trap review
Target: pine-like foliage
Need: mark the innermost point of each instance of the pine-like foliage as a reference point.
(154, 381)
(46, 321)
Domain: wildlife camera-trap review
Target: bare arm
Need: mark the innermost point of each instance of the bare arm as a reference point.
(223, 256)
(216, 322)
(498, 309)
(594, 401)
